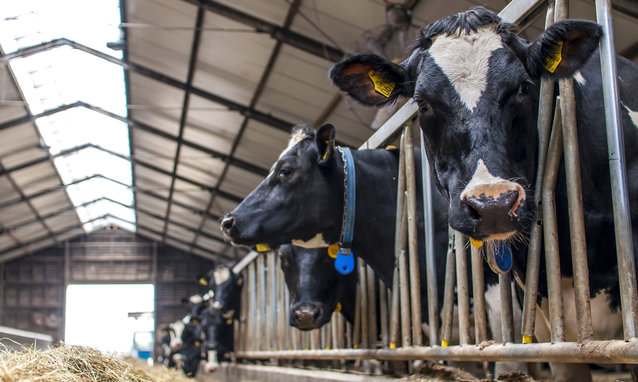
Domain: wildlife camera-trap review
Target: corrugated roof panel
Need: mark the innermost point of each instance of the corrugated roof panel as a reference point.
(29, 232)
(178, 245)
(213, 227)
(240, 182)
(273, 12)
(181, 233)
(211, 245)
(70, 234)
(159, 157)
(16, 214)
(220, 122)
(190, 196)
(150, 222)
(148, 234)
(36, 178)
(152, 181)
(160, 34)
(341, 21)
(155, 103)
(7, 192)
(6, 242)
(18, 138)
(261, 144)
(184, 216)
(150, 204)
(51, 202)
(12, 105)
(23, 156)
(222, 206)
(197, 165)
(60, 221)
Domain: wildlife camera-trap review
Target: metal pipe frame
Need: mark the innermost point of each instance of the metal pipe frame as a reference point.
(550, 231)
(620, 198)
(507, 316)
(462, 291)
(478, 289)
(448, 293)
(604, 352)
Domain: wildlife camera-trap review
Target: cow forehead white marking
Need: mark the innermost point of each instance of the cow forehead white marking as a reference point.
(316, 242)
(296, 137)
(464, 58)
(578, 77)
(633, 115)
(221, 275)
(482, 177)
(196, 299)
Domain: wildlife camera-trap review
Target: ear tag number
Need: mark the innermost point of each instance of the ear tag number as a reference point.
(380, 84)
(501, 260)
(551, 62)
(344, 263)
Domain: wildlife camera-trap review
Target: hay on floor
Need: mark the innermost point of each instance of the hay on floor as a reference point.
(78, 363)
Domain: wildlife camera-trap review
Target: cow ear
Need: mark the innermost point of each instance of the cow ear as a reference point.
(370, 79)
(184, 301)
(325, 139)
(563, 48)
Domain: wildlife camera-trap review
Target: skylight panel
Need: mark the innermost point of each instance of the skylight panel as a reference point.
(99, 143)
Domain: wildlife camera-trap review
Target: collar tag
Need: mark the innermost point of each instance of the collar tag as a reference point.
(333, 250)
(344, 263)
(501, 259)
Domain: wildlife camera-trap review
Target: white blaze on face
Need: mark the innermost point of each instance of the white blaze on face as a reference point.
(465, 61)
(578, 77)
(221, 275)
(195, 299)
(296, 137)
(316, 242)
(633, 115)
(483, 182)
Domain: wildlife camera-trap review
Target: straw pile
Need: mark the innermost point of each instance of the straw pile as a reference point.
(78, 364)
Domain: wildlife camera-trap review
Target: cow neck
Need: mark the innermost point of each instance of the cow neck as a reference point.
(349, 200)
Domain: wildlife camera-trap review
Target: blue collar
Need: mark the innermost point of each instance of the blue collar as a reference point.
(344, 263)
(349, 198)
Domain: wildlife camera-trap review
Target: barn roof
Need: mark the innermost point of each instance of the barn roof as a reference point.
(159, 116)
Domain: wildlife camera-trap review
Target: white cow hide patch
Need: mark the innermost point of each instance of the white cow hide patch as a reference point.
(316, 242)
(221, 275)
(464, 58)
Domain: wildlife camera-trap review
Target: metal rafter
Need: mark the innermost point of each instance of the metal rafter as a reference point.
(197, 34)
(292, 11)
(281, 34)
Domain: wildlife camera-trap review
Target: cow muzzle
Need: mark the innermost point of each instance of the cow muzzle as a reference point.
(228, 223)
(493, 210)
(307, 316)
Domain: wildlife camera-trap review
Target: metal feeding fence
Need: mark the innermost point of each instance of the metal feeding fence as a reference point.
(387, 323)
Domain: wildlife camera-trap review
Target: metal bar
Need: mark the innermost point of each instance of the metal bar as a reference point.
(462, 290)
(395, 324)
(544, 123)
(277, 32)
(272, 305)
(356, 326)
(430, 262)
(507, 316)
(252, 344)
(448, 294)
(575, 198)
(620, 198)
(612, 351)
(372, 308)
(363, 302)
(383, 314)
(550, 231)
(391, 127)
(478, 289)
(413, 239)
(404, 292)
(517, 10)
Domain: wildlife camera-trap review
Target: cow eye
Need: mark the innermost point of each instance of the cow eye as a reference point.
(423, 105)
(285, 172)
(524, 88)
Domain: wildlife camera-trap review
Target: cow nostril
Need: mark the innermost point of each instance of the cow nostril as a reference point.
(479, 207)
(228, 222)
(471, 208)
(317, 314)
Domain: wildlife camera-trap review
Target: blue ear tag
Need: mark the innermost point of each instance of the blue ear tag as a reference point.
(501, 260)
(344, 263)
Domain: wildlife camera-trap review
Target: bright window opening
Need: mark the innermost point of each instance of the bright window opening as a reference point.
(111, 317)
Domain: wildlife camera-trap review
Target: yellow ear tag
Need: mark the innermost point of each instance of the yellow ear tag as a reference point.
(333, 250)
(338, 307)
(229, 321)
(197, 343)
(445, 343)
(262, 247)
(476, 243)
(240, 281)
(551, 63)
(380, 84)
(356, 346)
(393, 345)
(527, 339)
(390, 147)
(203, 281)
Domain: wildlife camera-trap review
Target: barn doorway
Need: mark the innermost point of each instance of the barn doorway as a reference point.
(111, 317)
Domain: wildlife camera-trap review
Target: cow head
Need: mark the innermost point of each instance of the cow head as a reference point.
(475, 83)
(195, 305)
(226, 287)
(219, 338)
(278, 211)
(316, 288)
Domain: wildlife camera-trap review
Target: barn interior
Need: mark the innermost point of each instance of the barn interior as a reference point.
(128, 128)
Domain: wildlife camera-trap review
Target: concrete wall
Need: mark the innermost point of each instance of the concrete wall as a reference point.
(239, 372)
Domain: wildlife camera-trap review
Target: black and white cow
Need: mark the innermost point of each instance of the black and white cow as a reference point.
(219, 338)
(316, 288)
(476, 85)
(226, 288)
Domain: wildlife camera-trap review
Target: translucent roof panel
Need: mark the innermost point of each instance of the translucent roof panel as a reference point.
(62, 76)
